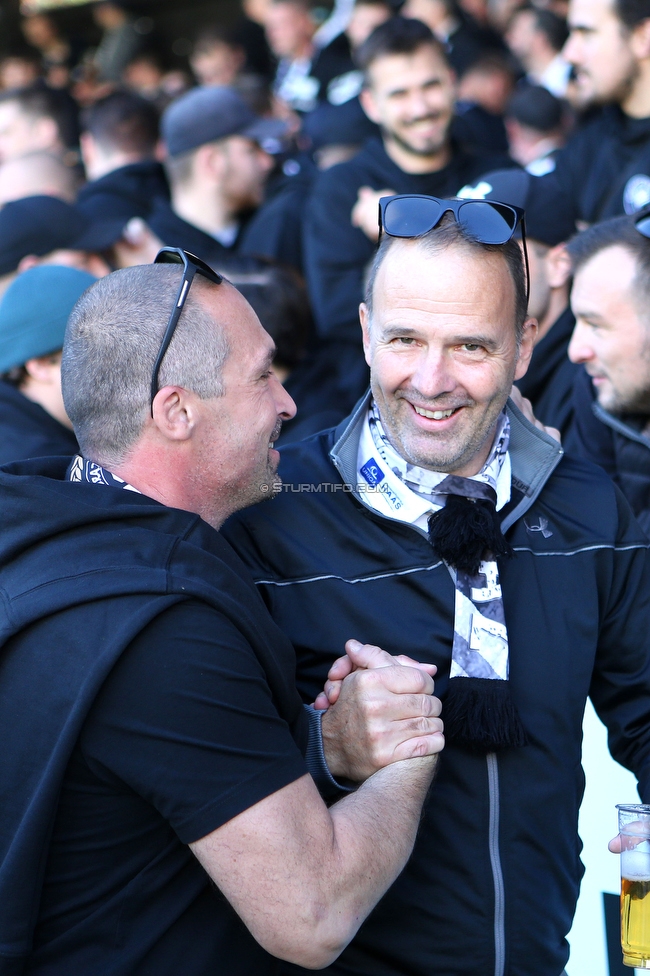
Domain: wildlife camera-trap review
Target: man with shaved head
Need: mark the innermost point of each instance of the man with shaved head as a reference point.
(441, 520)
(157, 812)
(37, 174)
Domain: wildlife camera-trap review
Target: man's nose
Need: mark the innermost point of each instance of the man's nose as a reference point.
(433, 375)
(571, 49)
(284, 404)
(580, 350)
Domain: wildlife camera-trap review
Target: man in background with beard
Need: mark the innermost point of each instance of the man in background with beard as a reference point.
(409, 92)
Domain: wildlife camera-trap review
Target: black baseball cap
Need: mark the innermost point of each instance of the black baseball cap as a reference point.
(40, 224)
(548, 225)
(212, 112)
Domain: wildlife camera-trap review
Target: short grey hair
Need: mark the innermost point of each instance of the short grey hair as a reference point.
(449, 233)
(112, 339)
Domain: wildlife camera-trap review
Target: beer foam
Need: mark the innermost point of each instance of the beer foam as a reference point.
(635, 865)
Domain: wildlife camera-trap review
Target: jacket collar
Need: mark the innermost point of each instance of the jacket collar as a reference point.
(620, 425)
(534, 455)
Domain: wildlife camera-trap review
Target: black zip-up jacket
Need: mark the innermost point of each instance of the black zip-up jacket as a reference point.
(595, 174)
(29, 431)
(492, 884)
(336, 254)
(617, 444)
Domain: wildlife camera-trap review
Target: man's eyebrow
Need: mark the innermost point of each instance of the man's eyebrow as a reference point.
(395, 331)
(268, 359)
(433, 80)
(391, 331)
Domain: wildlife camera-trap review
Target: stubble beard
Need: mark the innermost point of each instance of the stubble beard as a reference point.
(444, 457)
(432, 149)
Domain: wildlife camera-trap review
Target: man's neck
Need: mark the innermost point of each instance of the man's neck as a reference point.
(637, 103)
(166, 479)
(205, 208)
(410, 162)
(102, 165)
(539, 61)
(303, 52)
(558, 302)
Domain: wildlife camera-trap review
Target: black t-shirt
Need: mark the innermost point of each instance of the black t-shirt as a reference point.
(183, 736)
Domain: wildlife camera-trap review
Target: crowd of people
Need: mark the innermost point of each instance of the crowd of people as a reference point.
(347, 233)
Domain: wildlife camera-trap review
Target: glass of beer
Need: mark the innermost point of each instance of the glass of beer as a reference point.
(634, 829)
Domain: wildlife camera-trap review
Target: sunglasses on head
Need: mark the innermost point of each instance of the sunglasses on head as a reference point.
(642, 222)
(191, 266)
(487, 222)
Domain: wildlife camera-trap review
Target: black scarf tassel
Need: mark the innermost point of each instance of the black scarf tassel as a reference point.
(464, 530)
(480, 715)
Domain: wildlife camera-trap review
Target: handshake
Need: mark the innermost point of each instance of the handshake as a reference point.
(379, 709)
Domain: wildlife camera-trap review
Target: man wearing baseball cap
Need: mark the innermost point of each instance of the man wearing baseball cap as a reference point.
(45, 230)
(33, 317)
(217, 164)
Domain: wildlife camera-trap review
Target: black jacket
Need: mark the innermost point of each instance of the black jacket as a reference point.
(548, 383)
(492, 884)
(336, 254)
(603, 171)
(29, 431)
(129, 191)
(83, 570)
(617, 444)
(176, 232)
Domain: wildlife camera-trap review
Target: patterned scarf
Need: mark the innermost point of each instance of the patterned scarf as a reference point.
(83, 470)
(460, 515)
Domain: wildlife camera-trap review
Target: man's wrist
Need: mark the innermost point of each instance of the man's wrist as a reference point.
(331, 789)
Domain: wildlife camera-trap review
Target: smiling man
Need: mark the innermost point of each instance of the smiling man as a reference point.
(437, 517)
(409, 92)
(611, 266)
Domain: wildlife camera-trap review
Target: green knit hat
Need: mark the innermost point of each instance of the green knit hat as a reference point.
(34, 312)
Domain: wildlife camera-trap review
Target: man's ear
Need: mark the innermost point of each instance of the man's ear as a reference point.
(369, 105)
(211, 159)
(640, 40)
(529, 334)
(364, 318)
(558, 266)
(29, 261)
(45, 369)
(175, 413)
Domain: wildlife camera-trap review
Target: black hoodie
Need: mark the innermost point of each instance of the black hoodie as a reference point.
(84, 570)
(603, 171)
(29, 431)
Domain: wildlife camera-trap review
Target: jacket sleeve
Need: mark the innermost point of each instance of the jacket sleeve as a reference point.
(335, 256)
(620, 687)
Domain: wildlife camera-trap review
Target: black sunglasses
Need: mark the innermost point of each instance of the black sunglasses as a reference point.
(191, 266)
(642, 221)
(488, 222)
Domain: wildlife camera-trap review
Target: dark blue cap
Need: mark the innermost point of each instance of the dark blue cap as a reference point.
(40, 224)
(212, 112)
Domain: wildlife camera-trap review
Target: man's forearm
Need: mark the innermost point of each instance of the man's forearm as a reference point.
(374, 833)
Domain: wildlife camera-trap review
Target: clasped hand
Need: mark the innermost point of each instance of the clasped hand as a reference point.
(380, 709)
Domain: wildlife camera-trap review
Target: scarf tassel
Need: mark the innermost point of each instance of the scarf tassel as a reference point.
(480, 715)
(464, 530)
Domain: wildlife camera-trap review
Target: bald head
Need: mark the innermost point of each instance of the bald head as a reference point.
(37, 174)
(112, 340)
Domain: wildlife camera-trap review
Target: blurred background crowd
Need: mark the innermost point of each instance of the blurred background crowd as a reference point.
(260, 136)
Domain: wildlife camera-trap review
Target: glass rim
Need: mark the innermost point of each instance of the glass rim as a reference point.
(642, 808)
